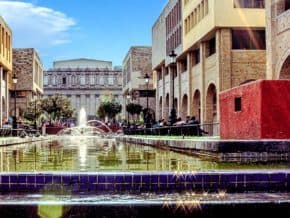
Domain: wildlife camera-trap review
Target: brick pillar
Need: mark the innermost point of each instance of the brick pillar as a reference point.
(224, 58)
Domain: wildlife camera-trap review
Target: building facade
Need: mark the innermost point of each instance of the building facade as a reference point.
(85, 82)
(29, 70)
(218, 53)
(278, 39)
(5, 69)
(136, 65)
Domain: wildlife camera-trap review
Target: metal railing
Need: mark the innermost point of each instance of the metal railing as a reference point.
(9, 132)
(206, 129)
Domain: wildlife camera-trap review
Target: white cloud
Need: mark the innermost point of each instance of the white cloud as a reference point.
(35, 26)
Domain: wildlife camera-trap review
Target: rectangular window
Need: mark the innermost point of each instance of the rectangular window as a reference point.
(238, 104)
(249, 39)
(111, 80)
(249, 3)
(211, 47)
(64, 81)
(196, 56)
(45, 80)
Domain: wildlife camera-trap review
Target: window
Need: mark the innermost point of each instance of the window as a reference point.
(64, 80)
(92, 80)
(83, 80)
(101, 81)
(249, 39)
(249, 3)
(196, 56)
(54, 80)
(238, 104)
(211, 47)
(45, 80)
(111, 80)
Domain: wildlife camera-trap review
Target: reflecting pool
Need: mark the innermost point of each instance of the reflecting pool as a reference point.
(90, 154)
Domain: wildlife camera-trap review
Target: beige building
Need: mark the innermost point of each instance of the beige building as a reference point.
(278, 39)
(136, 65)
(85, 82)
(29, 70)
(5, 69)
(223, 46)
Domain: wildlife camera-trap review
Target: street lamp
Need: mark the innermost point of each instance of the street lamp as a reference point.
(173, 116)
(128, 100)
(35, 104)
(146, 78)
(14, 122)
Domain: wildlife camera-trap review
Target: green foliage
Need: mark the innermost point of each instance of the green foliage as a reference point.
(109, 109)
(134, 109)
(55, 107)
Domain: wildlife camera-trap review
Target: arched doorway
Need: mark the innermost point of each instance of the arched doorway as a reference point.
(285, 70)
(196, 104)
(160, 108)
(166, 109)
(184, 108)
(211, 109)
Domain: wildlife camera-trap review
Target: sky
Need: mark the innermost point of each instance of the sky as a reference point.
(68, 29)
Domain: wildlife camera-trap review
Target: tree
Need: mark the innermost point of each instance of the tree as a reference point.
(33, 110)
(55, 107)
(109, 109)
(134, 109)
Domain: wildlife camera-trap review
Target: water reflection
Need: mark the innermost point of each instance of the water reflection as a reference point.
(91, 154)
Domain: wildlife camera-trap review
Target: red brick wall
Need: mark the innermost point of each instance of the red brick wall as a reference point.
(265, 111)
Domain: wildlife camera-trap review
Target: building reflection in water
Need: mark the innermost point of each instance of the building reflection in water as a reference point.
(89, 154)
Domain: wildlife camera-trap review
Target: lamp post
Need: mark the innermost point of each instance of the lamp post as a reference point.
(147, 121)
(173, 117)
(35, 104)
(128, 100)
(14, 122)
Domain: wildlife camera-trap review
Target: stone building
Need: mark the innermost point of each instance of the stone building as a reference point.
(166, 36)
(85, 82)
(29, 70)
(5, 69)
(278, 39)
(136, 65)
(218, 53)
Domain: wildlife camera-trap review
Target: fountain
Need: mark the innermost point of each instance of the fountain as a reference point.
(83, 129)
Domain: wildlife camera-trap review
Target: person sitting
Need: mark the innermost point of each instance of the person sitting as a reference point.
(179, 122)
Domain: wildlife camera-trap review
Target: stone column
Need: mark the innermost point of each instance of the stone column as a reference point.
(202, 82)
(7, 96)
(190, 94)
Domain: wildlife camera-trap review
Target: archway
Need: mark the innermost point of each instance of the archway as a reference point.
(184, 108)
(160, 108)
(211, 108)
(166, 109)
(196, 104)
(285, 70)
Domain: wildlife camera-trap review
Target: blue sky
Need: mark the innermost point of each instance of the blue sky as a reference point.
(64, 29)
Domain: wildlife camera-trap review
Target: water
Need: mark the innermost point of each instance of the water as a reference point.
(91, 154)
(83, 117)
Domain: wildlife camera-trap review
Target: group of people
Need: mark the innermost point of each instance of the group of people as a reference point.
(179, 122)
